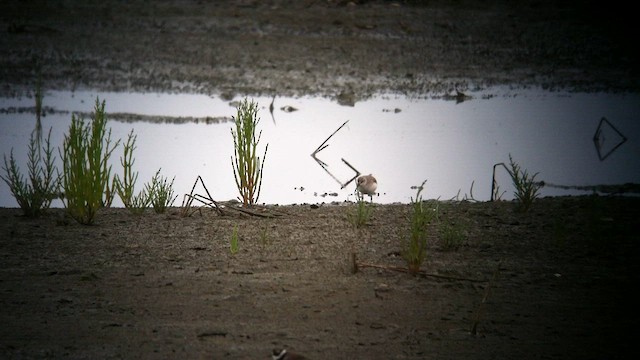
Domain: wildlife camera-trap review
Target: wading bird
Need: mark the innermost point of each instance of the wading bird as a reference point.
(367, 184)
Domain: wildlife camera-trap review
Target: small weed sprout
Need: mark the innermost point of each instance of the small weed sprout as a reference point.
(497, 194)
(264, 236)
(452, 235)
(136, 204)
(416, 247)
(161, 192)
(87, 173)
(33, 197)
(233, 244)
(362, 213)
(247, 165)
(526, 187)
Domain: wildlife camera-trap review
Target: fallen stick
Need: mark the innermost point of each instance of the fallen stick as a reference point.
(354, 177)
(322, 146)
(324, 165)
(249, 212)
(355, 265)
(188, 199)
(480, 309)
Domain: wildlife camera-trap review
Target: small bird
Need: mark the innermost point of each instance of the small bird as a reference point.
(367, 184)
(283, 354)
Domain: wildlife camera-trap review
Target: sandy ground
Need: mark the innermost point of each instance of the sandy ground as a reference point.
(555, 283)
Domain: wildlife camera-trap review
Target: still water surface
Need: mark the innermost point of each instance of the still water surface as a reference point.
(399, 140)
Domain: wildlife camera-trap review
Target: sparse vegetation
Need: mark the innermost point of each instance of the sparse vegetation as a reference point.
(526, 187)
(247, 165)
(157, 193)
(466, 197)
(137, 203)
(161, 193)
(497, 194)
(264, 236)
(35, 195)
(362, 212)
(87, 173)
(234, 246)
(415, 250)
(452, 235)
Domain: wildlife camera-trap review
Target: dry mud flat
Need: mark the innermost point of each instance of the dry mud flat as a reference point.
(558, 282)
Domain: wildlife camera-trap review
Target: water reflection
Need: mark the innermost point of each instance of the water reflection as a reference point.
(401, 141)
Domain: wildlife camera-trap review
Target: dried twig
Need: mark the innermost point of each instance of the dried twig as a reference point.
(354, 177)
(249, 211)
(188, 200)
(480, 309)
(324, 165)
(598, 139)
(323, 146)
(357, 265)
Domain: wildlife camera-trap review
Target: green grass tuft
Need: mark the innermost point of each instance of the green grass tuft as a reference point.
(234, 245)
(415, 250)
(136, 203)
(452, 235)
(87, 173)
(34, 196)
(161, 193)
(247, 165)
(527, 189)
(362, 213)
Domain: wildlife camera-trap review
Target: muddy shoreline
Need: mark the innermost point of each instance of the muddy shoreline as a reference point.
(339, 49)
(554, 283)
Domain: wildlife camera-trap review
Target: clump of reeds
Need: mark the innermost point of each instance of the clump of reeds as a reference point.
(86, 171)
(35, 195)
(158, 192)
(415, 250)
(161, 193)
(452, 235)
(247, 165)
(136, 203)
(527, 189)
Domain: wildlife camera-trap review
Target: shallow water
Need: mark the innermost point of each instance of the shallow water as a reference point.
(401, 141)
